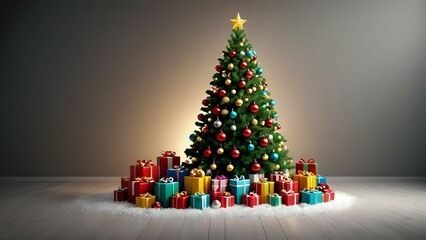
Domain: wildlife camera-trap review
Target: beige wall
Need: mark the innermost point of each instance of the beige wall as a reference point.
(88, 88)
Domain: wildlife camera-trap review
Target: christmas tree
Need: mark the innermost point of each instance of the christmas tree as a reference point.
(237, 128)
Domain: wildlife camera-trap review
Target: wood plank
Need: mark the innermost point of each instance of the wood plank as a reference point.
(244, 228)
(272, 228)
(217, 228)
(195, 228)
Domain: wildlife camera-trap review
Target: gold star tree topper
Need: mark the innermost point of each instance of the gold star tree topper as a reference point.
(238, 22)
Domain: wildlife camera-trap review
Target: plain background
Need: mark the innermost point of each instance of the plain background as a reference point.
(88, 87)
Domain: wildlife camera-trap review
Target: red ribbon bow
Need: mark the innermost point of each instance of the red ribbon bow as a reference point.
(222, 177)
(309, 161)
(168, 153)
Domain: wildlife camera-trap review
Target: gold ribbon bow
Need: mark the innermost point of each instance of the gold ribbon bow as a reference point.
(199, 193)
(227, 194)
(197, 173)
(287, 192)
(180, 194)
(145, 195)
(305, 173)
(263, 180)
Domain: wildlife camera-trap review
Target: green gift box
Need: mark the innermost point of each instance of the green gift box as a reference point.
(238, 187)
(164, 190)
(199, 201)
(275, 200)
(312, 197)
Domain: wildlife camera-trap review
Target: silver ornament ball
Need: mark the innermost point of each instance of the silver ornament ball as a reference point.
(216, 204)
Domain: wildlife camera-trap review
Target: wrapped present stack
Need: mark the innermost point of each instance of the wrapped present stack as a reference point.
(183, 188)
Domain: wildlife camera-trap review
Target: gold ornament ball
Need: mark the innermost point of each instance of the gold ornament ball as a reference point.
(230, 167)
(239, 102)
(230, 66)
(265, 157)
(260, 87)
(224, 112)
(262, 123)
(254, 122)
(194, 159)
(246, 99)
(277, 167)
(290, 161)
(265, 96)
(254, 61)
(225, 99)
(214, 91)
(254, 88)
(233, 91)
(241, 44)
(279, 149)
(249, 91)
(224, 74)
(279, 137)
(213, 166)
(215, 79)
(220, 151)
(209, 119)
(281, 143)
(285, 147)
(199, 139)
(228, 81)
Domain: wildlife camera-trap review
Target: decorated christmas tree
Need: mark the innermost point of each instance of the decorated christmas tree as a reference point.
(237, 129)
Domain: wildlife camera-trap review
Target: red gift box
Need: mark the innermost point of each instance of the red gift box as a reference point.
(290, 198)
(279, 176)
(120, 195)
(227, 200)
(138, 187)
(307, 166)
(220, 184)
(214, 195)
(327, 195)
(124, 181)
(168, 160)
(288, 185)
(179, 200)
(251, 199)
(144, 168)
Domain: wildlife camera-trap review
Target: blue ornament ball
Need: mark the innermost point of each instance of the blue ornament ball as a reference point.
(233, 115)
(276, 116)
(259, 70)
(254, 52)
(274, 156)
(264, 92)
(250, 147)
(249, 54)
(263, 107)
(192, 137)
(272, 102)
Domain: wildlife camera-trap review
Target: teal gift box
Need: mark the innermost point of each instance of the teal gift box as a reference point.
(178, 174)
(311, 197)
(199, 201)
(238, 187)
(164, 190)
(321, 179)
(275, 200)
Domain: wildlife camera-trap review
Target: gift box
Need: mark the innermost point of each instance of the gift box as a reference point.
(120, 194)
(263, 188)
(311, 197)
(327, 195)
(227, 200)
(238, 187)
(306, 180)
(255, 177)
(166, 161)
(251, 199)
(124, 181)
(321, 179)
(220, 184)
(145, 200)
(165, 189)
(178, 173)
(214, 195)
(130, 196)
(140, 186)
(307, 166)
(179, 200)
(290, 198)
(197, 184)
(199, 200)
(275, 200)
(279, 176)
(144, 168)
(288, 185)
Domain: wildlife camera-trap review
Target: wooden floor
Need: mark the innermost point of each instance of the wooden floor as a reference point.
(393, 209)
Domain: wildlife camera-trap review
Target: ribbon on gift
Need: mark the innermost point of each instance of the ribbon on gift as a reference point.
(180, 194)
(252, 193)
(222, 177)
(309, 161)
(145, 195)
(168, 153)
(274, 194)
(311, 190)
(143, 163)
(305, 173)
(147, 179)
(263, 180)
(178, 167)
(287, 192)
(166, 180)
(227, 194)
(195, 172)
(125, 178)
(239, 178)
(138, 179)
(199, 193)
(323, 185)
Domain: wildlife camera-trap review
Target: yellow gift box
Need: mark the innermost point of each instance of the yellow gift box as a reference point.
(263, 188)
(306, 180)
(145, 200)
(197, 184)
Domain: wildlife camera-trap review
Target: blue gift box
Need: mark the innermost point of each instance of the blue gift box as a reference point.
(199, 201)
(238, 187)
(321, 179)
(164, 190)
(312, 197)
(178, 175)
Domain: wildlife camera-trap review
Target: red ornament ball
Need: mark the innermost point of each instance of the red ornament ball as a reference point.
(204, 102)
(242, 84)
(207, 153)
(221, 137)
(157, 204)
(216, 110)
(235, 153)
(255, 167)
(279, 127)
(206, 129)
(263, 142)
(246, 132)
(269, 122)
(243, 65)
(222, 93)
(218, 68)
(249, 74)
(254, 108)
(200, 117)
(254, 57)
(232, 53)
